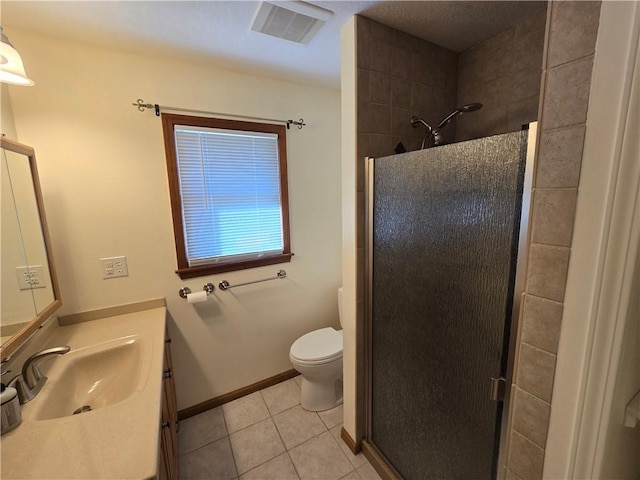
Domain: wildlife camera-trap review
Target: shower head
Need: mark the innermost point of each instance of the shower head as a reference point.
(470, 107)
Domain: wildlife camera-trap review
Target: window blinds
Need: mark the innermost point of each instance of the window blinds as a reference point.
(230, 190)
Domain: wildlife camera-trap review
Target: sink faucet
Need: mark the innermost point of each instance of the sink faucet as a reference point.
(31, 380)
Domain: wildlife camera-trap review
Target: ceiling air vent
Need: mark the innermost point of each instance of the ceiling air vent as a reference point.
(293, 20)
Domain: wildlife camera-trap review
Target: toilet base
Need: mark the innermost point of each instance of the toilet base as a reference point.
(318, 396)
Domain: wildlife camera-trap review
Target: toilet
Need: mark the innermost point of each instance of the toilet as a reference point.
(317, 356)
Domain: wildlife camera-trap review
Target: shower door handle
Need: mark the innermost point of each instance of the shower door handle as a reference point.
(497, 389)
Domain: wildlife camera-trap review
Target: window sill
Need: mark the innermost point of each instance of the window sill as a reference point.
(203, 270)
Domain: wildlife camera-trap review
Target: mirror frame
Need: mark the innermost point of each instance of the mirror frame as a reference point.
(16, 341)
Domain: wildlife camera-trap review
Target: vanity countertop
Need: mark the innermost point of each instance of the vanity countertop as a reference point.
(120, 440)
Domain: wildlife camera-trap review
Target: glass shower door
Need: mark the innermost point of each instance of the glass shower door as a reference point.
(443, 240)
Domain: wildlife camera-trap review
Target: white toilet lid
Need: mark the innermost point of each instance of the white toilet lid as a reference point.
(318, 345)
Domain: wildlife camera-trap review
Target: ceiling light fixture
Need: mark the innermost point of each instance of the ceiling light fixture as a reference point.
(11, 66)
(295, 21)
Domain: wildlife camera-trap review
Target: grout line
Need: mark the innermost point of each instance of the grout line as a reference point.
(543, 298)
(538, 348)
(228, 436)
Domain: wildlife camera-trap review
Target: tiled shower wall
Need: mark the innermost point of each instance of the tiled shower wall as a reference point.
(572, 30)
(399, 76)
(502, 73)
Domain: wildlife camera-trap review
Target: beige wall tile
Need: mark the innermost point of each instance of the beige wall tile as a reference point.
(380, 118)
(521, 113)
(363, 90)
(531, 26)
(401, 122)
(535, 371)
(421, 101)
(512, 476)
(525, 458)
(468, 127)
(363, 42)
(380, 88)
(524, 84)
(567, 94)
(531, 417)
(553, 216)
(404, 40)
(419, 66)
(381, 32)
(501, 72)
(573, 30)
(363, 116)
(541, 319)
(401, 62)
(379, 145)
(560, 158)
(495, 92)
(527, 52)
(400, 92)
(547, 271)
(493, 120)
(380, 55)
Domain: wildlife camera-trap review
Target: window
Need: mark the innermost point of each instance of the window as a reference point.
(228, 187)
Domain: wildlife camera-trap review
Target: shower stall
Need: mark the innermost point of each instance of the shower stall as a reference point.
(446, 238)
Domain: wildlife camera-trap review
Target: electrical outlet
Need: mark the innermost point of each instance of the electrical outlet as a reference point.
(113, 267)
(31, 276)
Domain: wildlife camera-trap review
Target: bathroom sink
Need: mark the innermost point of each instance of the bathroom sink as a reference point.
(92, 378)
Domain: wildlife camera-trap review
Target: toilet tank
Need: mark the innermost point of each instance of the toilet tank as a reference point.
(340, 304)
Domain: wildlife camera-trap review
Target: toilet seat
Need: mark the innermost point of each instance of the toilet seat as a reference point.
(317, 347)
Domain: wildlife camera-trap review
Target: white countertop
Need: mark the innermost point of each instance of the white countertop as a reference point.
(113, 442)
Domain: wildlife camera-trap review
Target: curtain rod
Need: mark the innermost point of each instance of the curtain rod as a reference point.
(157, 108)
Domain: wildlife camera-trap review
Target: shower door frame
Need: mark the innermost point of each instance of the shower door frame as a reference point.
(376, 457)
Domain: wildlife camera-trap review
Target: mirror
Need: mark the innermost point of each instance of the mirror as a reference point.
(29, 289)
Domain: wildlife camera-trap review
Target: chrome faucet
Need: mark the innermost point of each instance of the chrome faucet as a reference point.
(31, 380)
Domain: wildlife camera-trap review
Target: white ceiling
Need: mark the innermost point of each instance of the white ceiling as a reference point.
(217, 32)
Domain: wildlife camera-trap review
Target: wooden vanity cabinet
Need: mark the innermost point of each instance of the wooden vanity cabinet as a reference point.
(169, 425)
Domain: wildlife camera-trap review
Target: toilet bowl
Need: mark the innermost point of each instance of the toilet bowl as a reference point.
(317, 355)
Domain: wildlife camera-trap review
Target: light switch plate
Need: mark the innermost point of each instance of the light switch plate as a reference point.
(113, 267)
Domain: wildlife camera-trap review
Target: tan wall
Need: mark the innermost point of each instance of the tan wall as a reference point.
(104, 180)
(7, 122)
(572, 29)
(502, 73)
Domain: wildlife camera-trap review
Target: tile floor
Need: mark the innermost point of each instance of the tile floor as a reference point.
(267, 435)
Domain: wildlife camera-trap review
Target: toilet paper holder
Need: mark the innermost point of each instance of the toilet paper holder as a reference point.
(208, 287)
